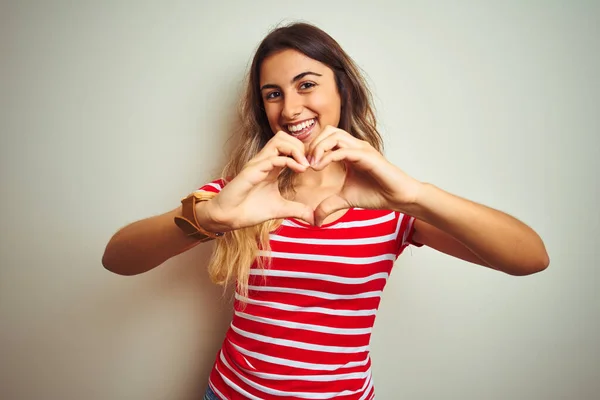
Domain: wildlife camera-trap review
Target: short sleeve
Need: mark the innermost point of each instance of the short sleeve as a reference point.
(214, 187)
(405, 230)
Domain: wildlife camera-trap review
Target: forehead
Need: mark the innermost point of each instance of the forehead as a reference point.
(283, 66)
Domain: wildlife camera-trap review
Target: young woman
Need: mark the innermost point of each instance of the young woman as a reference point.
(309, 218)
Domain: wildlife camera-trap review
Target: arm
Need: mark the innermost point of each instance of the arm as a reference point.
(146, 244)
(475, 233)
(448, 223)
(437, 239)
(251, 198)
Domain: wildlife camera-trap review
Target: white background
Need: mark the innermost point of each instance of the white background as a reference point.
(112, 111)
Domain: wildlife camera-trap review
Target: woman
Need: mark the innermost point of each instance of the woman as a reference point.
(308, 223)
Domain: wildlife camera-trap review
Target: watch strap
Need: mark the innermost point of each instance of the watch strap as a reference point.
(188, 221)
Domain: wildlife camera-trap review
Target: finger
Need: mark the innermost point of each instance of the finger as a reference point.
(354, 156)
(325, 133)
(331, 143)
(285, 149)
(337, 138)
(281, 162)
(328, 206)
(284, 144)
(301, 211)
(260, 170)
(298, 155)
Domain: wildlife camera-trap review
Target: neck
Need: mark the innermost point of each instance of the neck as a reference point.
(332, 175)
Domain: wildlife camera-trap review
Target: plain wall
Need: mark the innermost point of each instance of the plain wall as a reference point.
(112, 111)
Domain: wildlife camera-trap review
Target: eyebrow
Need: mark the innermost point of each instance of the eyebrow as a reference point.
(295, 79)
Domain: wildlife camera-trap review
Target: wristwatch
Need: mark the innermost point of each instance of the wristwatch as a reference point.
(188, 222)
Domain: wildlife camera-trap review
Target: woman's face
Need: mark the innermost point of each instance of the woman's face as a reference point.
(299, 94)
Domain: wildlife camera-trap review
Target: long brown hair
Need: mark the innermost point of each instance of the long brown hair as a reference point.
(235, 253)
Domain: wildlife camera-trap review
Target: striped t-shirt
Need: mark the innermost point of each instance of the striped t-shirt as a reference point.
(305, 328)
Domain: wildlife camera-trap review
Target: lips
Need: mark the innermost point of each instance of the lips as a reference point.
(298, 127)
(301, 130)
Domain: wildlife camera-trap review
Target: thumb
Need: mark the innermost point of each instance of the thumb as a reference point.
(328, 206)
(297, 210)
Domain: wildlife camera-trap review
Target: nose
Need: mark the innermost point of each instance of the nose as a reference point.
(292, 106)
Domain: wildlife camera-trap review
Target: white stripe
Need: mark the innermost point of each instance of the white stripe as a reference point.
(235, 387)
(214, 388)
(299, 345)
(248, 362)
(408, 228)
(312, 378)
(340, 242)
(324, 258)
(320, 277)
(299, 364)
(306, 327)
(275, 392)
(398, 224)
(320, 310)
(368, 222)
(367, 389)
(214, 185)
(314, 293)
(287, 222)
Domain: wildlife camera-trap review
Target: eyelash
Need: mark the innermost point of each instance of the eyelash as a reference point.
(311, 85)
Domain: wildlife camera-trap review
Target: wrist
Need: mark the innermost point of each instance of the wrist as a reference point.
(414, 203)
(209, 219)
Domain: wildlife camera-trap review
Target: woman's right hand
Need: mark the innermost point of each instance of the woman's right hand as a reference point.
(253, 196)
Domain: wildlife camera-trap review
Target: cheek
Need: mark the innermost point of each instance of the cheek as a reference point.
(330, 110)
(272, 117)
(328, 105)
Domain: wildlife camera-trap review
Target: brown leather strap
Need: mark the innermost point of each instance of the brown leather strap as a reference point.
(188, 221)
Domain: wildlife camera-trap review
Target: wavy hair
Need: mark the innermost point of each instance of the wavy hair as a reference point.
(236, 252)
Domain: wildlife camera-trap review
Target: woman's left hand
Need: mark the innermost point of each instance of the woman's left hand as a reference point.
(448, 223)
(371, 181)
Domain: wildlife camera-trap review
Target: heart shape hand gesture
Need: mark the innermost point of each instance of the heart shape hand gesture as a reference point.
(371, 181)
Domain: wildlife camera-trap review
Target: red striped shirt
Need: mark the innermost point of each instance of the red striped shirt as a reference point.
(305, 330)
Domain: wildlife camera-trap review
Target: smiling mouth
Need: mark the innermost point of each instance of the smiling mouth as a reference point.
(301, 128)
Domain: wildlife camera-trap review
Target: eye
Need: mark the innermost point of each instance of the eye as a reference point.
(272, 95)
(307, 85)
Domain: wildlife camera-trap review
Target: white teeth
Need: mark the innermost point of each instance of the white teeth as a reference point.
(299, 127)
